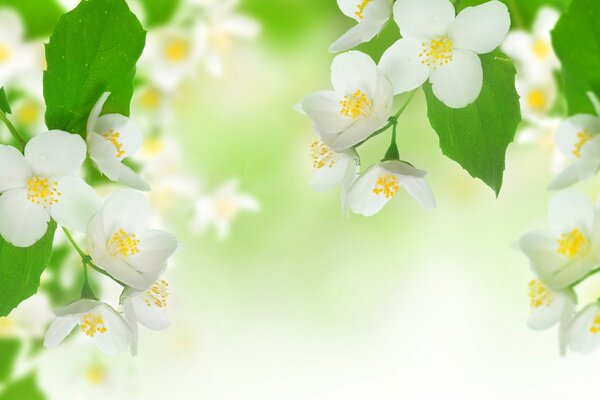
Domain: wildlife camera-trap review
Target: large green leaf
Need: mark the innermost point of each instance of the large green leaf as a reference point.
(93, 49)
(39, 16)
(522, 12)
(20, 270)
(9, 349)
(576, 40)
(477, 136)
(159, 12)
(4, 105)
(24, 389)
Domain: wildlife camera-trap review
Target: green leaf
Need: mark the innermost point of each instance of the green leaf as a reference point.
(39, 16)
(24, 389)
(158, 12)
(4, 106)
(9, 349)
(576, 40)
(20, 270)
(477, 136)
(522, 12)
(94, 49)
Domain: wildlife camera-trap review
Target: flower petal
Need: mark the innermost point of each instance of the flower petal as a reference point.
(324, 109)
(546, 20)
(14, 170)
(362, 198)
(77, 307)
(104, 155)
(23, 222)
(419, 190)
(130, 178)
(329, 176)
(59, 329)
(570, 133)
(458, 83)
(130, 136)
(155, 248)
(423, 19)
(125, 209)
(117, 337)
(482, 28)
(571, 209)
(402, 65)
(96, 111)
(578, 171)
(546, 316)
(55, 153)
(580, 338)
(518, 45)
(375, 15)
(76, 205)
(151, 317)
(352, 71)
(123, 272)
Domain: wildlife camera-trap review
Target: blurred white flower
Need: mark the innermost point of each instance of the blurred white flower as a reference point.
(222, 208)
(361, 103)
(380, 183)
(533, 51)
(43, 184)
(571, 249)
(541, 132)
(153, 108)
(444, 48)
(371, 16)
(172, 55)
(537, 96)
(583, 335)
(111, 138)
(16, 56)
(105, 327)
(28, 114)
(119, 242)
(29, 320)
(68, 5)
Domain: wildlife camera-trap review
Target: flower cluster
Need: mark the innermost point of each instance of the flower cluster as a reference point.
(436, 46)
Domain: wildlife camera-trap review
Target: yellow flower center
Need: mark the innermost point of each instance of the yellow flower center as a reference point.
(7, 326)
(157, 294)
(92, 324)
(437, 52)
(123, 244)
(595, 328)
(583, 136)
(42, 191)
(321, 155)
(536, 99)
(227, 209)
(539, 295)
(360, 9)
(153, 147)
(387, 185)
(177, 50)
(356, 105)
(28, 113)
(150, 99)
(542, 49)
(96, 374)
(5, 53)
(113, 137)
(572, 243)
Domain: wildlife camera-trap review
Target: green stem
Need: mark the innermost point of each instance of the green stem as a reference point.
(589, 274)
(392, 152)
(12, 129)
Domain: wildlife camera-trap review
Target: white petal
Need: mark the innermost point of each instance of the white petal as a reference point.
(402, 168)
(458, 83)
(518, 45)
(352, 71)
(546, 316)
(11, 25)
(122, 271)
(76, 205)
(97, 241)
(324, 109)
(419, 190)
(577, 172)
(23, 222)
(151, 317)
(130, 135)
(423, 19)
(59, 329)
(545, 21)
(330, 176)
(55, 154)
(571, 209)
(358, 132)
(96, 111)
(155, 248)
(14, 170)
(130, 178)
(352, 38)
(349, 7)
(104, 155)
(131, 319)
(127, 210)
(482, 28)
(361, 197)
(77, 307)
(568, 134)
(580, 338)
(117, 337)
(402, 65)
(375, 15)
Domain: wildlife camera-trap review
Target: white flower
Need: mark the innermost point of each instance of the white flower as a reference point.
(172, 54)
(371, 16)
(537, 96)
(120, 243)
(437, 45)
(43, 184)
(380, 183)
(541, 132)
(583, 335)
(222, 208)
(332, 169)
(533, 51)
(571, 249)
(361, 103)
(98, 321)
(154, 108)
(16, 56)
(111, 138)
(149, 308)
(29, 319)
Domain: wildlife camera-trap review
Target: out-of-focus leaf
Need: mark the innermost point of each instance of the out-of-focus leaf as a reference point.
(24, 389)
(39, 16)
(9, 349)
(158, 12)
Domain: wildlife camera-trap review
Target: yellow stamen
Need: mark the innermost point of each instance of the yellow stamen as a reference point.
(96, 374)
(177, 50)
(92, 324)
(595, 328)
(583, 136)
(361, 9)
(542, 49)
(539, 295)
(321, 155)
(113, 137)
(387, 185)
(123, 244)
(150, 99)
(572, 244)
(536, 99)
(42, 191)
(5, 53)
(157, 294)
(356, 105)
(437, 52)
